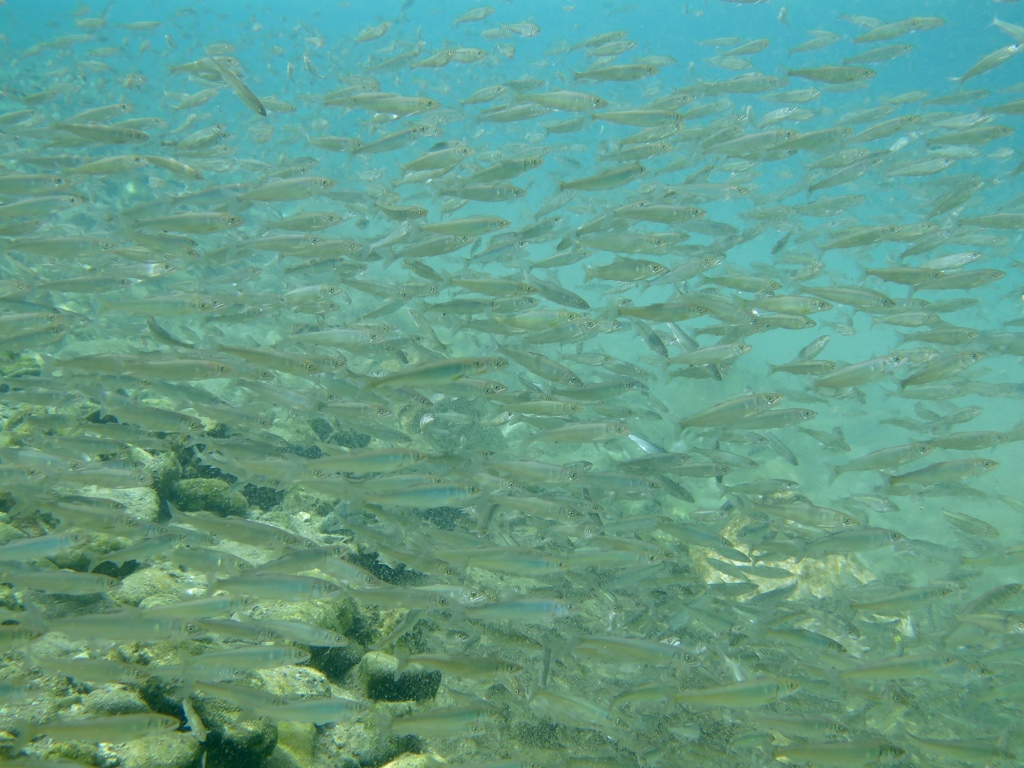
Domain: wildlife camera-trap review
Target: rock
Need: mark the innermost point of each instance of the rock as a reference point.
(9, 533)
(210, 494)
(155, 584)
(361, 743)
(335, 662)
(143, 503)
(296, 742)
(234, 740)
(336, 615)
(412, 761)
(169, 750)
(113, 700)
(164, 468)
(377, 678)
(292, 681)
(79, 752)
(296, 746)
(56, 606)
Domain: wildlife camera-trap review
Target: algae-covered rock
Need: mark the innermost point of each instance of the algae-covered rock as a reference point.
(234, 739)
(362, 742)
(210, 494)
(296, 746)
(9, 533)
(55, 606)
(292, 682)
(164, 468)
(379, 679)
(335, 614)
(296, 742)
(335, 663)
(77, 751)
(168, 750)
(153, 582)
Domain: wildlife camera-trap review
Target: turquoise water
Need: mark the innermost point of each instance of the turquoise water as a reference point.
(501, 544)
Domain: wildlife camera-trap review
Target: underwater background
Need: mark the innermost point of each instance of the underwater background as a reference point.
(421, 383)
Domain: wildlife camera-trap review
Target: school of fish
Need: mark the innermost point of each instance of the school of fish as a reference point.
(663, 407)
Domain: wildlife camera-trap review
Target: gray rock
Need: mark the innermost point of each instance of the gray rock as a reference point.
(169, 750)
(412, 761)
(143, 503)
(156, 581)
(113, 700)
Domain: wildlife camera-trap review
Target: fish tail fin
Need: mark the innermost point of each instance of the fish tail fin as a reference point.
(446, 278)
(176, 514)
(94, 558)
(33, 615)
(834, 473)
(862, 274)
